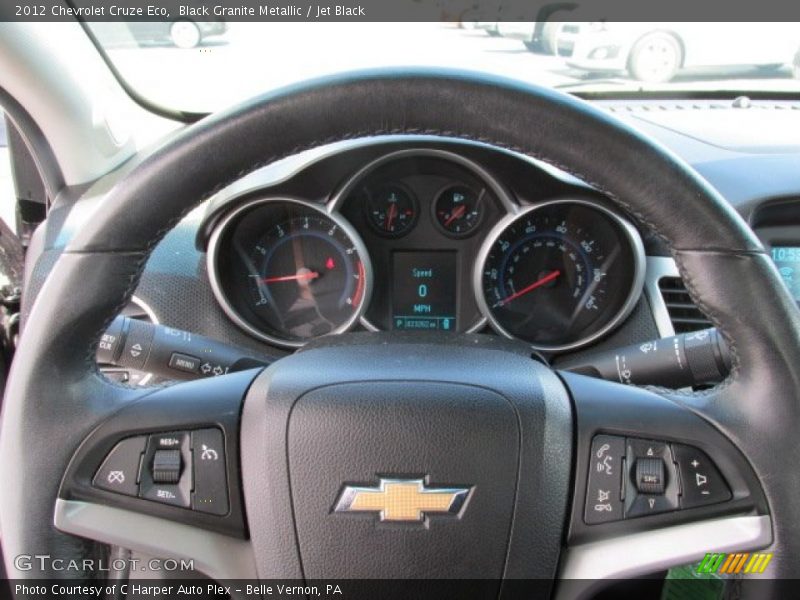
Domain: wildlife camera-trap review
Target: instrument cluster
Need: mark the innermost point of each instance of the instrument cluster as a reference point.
(425, 240)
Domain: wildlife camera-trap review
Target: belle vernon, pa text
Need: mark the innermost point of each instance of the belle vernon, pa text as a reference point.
(160, 591)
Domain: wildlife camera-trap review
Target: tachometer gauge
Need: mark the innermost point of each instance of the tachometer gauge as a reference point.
(288, 272)
(560, 274)
(391, 210)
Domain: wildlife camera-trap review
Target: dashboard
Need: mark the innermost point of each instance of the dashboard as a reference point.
(425, 239)
(439, 236)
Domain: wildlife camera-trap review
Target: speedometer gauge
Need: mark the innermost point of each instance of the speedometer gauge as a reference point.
(288, 272)
(560, 274)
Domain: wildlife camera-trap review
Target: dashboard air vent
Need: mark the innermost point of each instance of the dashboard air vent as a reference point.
(683, 312)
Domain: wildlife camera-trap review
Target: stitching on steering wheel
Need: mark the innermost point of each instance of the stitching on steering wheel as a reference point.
(695, 296)
(133, 281)
(690, 286)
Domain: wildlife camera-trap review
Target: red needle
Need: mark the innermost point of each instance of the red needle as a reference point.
(455, 214)
(299, 276)
(390, 217)
(538, 283)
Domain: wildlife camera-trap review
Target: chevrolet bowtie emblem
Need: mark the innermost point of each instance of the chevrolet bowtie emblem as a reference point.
(402, 500)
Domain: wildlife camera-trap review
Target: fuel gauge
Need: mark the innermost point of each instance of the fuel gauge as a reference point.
(458, 210)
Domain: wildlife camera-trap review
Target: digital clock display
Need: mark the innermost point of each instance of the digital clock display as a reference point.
(787, 259)
(424, 291)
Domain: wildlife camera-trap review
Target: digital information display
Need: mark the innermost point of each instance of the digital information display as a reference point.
(424, 291)
(787, 259)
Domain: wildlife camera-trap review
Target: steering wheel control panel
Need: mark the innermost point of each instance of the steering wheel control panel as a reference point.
(172, 454)
(179, 468)
(632, 477)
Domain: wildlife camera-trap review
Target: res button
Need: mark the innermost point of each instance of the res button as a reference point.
(166, 475)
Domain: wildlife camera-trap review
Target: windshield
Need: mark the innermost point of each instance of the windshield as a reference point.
(203, 66)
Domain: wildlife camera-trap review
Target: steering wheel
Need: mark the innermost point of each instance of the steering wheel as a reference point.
(491, 451)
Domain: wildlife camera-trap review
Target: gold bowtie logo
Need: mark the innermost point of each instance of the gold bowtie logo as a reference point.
(402, 500)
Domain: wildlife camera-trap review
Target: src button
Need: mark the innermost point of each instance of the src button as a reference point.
(650, 475)
(652, 485)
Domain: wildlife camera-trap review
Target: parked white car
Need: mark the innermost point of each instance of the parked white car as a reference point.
(489, 27)
(517, 30)
(655, 52)
(539, 35)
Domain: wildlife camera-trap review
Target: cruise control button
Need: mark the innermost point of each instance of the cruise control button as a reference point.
(702, 483)
(603, 494)
(210, 477)
(168, 441)
(120, 469)
(164, 452)
(167, 494)
(166, 466)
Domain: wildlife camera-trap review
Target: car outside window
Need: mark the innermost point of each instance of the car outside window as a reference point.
(205, 66)
(7, 194)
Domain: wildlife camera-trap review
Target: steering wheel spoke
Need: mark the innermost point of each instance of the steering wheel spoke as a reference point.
(161, 476)
(656, 483)
(219, 556)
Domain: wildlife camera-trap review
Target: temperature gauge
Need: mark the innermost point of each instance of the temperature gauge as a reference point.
(458, 210)
(391, 210)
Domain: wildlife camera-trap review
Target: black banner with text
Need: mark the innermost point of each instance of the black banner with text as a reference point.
(397, 10)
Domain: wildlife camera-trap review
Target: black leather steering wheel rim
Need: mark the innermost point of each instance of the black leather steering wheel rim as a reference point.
(55, 395)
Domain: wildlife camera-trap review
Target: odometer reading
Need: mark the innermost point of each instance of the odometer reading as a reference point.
(424, 290)
(559, 274)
